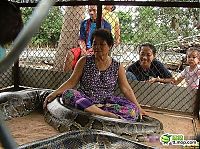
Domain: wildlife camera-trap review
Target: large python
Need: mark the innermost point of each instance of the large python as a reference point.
(66, 119)
(89, 139)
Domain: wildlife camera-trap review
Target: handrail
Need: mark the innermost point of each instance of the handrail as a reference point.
(160, 3)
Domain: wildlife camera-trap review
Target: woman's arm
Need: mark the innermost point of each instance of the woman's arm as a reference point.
(74, 78)
(70, 83)
(82, 45)
(117, 34)
(68, 62)
(126, 88)
(161, 80)
(163, 74)
(178, 80)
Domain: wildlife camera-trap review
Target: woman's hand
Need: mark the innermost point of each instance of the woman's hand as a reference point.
(49, 99)
(153, 80)
(161, 80)
(142, 112)
(173, 81)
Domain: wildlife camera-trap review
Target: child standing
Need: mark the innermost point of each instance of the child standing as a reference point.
(191, 73)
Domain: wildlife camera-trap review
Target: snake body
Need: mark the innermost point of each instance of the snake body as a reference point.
(66, 119)
(19, 103)
(89, 139)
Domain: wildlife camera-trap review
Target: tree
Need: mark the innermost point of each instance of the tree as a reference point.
(49, 31)
(126, 20)
(155, 25)
(69, 33)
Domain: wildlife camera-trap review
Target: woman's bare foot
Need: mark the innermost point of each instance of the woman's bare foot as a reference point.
(96, 110)
(109, 114)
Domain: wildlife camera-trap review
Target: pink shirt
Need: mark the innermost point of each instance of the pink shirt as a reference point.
(192, 77)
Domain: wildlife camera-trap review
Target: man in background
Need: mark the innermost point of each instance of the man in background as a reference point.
(88, 26)
(112, 18)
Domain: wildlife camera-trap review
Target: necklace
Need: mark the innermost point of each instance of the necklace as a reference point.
(102, 66)
(99, 72)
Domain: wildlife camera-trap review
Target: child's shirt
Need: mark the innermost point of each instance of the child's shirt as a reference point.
(192, 77)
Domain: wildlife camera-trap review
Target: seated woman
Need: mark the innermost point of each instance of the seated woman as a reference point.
(98, 76)
(147, 68)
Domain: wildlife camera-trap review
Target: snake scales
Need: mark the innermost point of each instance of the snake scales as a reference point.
(73, 121)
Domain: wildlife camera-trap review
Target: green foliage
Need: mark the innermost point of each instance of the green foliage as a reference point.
(49, 31)
(126, 26)
(152, 24)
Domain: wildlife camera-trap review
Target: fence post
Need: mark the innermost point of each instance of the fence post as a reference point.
(15, 74)
(197, 104)
(99, 15)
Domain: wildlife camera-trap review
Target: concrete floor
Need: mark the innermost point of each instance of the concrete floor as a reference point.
(176, 124)
(33, 127)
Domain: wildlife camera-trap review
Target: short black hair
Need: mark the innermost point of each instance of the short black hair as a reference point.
(105, 34)
(151, 46)
(10, 21)
(113, 6)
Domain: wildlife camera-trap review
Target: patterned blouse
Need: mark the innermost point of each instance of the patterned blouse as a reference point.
(98, 85)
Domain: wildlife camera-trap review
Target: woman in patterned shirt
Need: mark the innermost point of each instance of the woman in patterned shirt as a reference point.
(98, 76)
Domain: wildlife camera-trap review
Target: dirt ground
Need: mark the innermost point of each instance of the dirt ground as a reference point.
(33, 127)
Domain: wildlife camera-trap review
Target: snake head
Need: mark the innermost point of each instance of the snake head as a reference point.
(44, 94)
